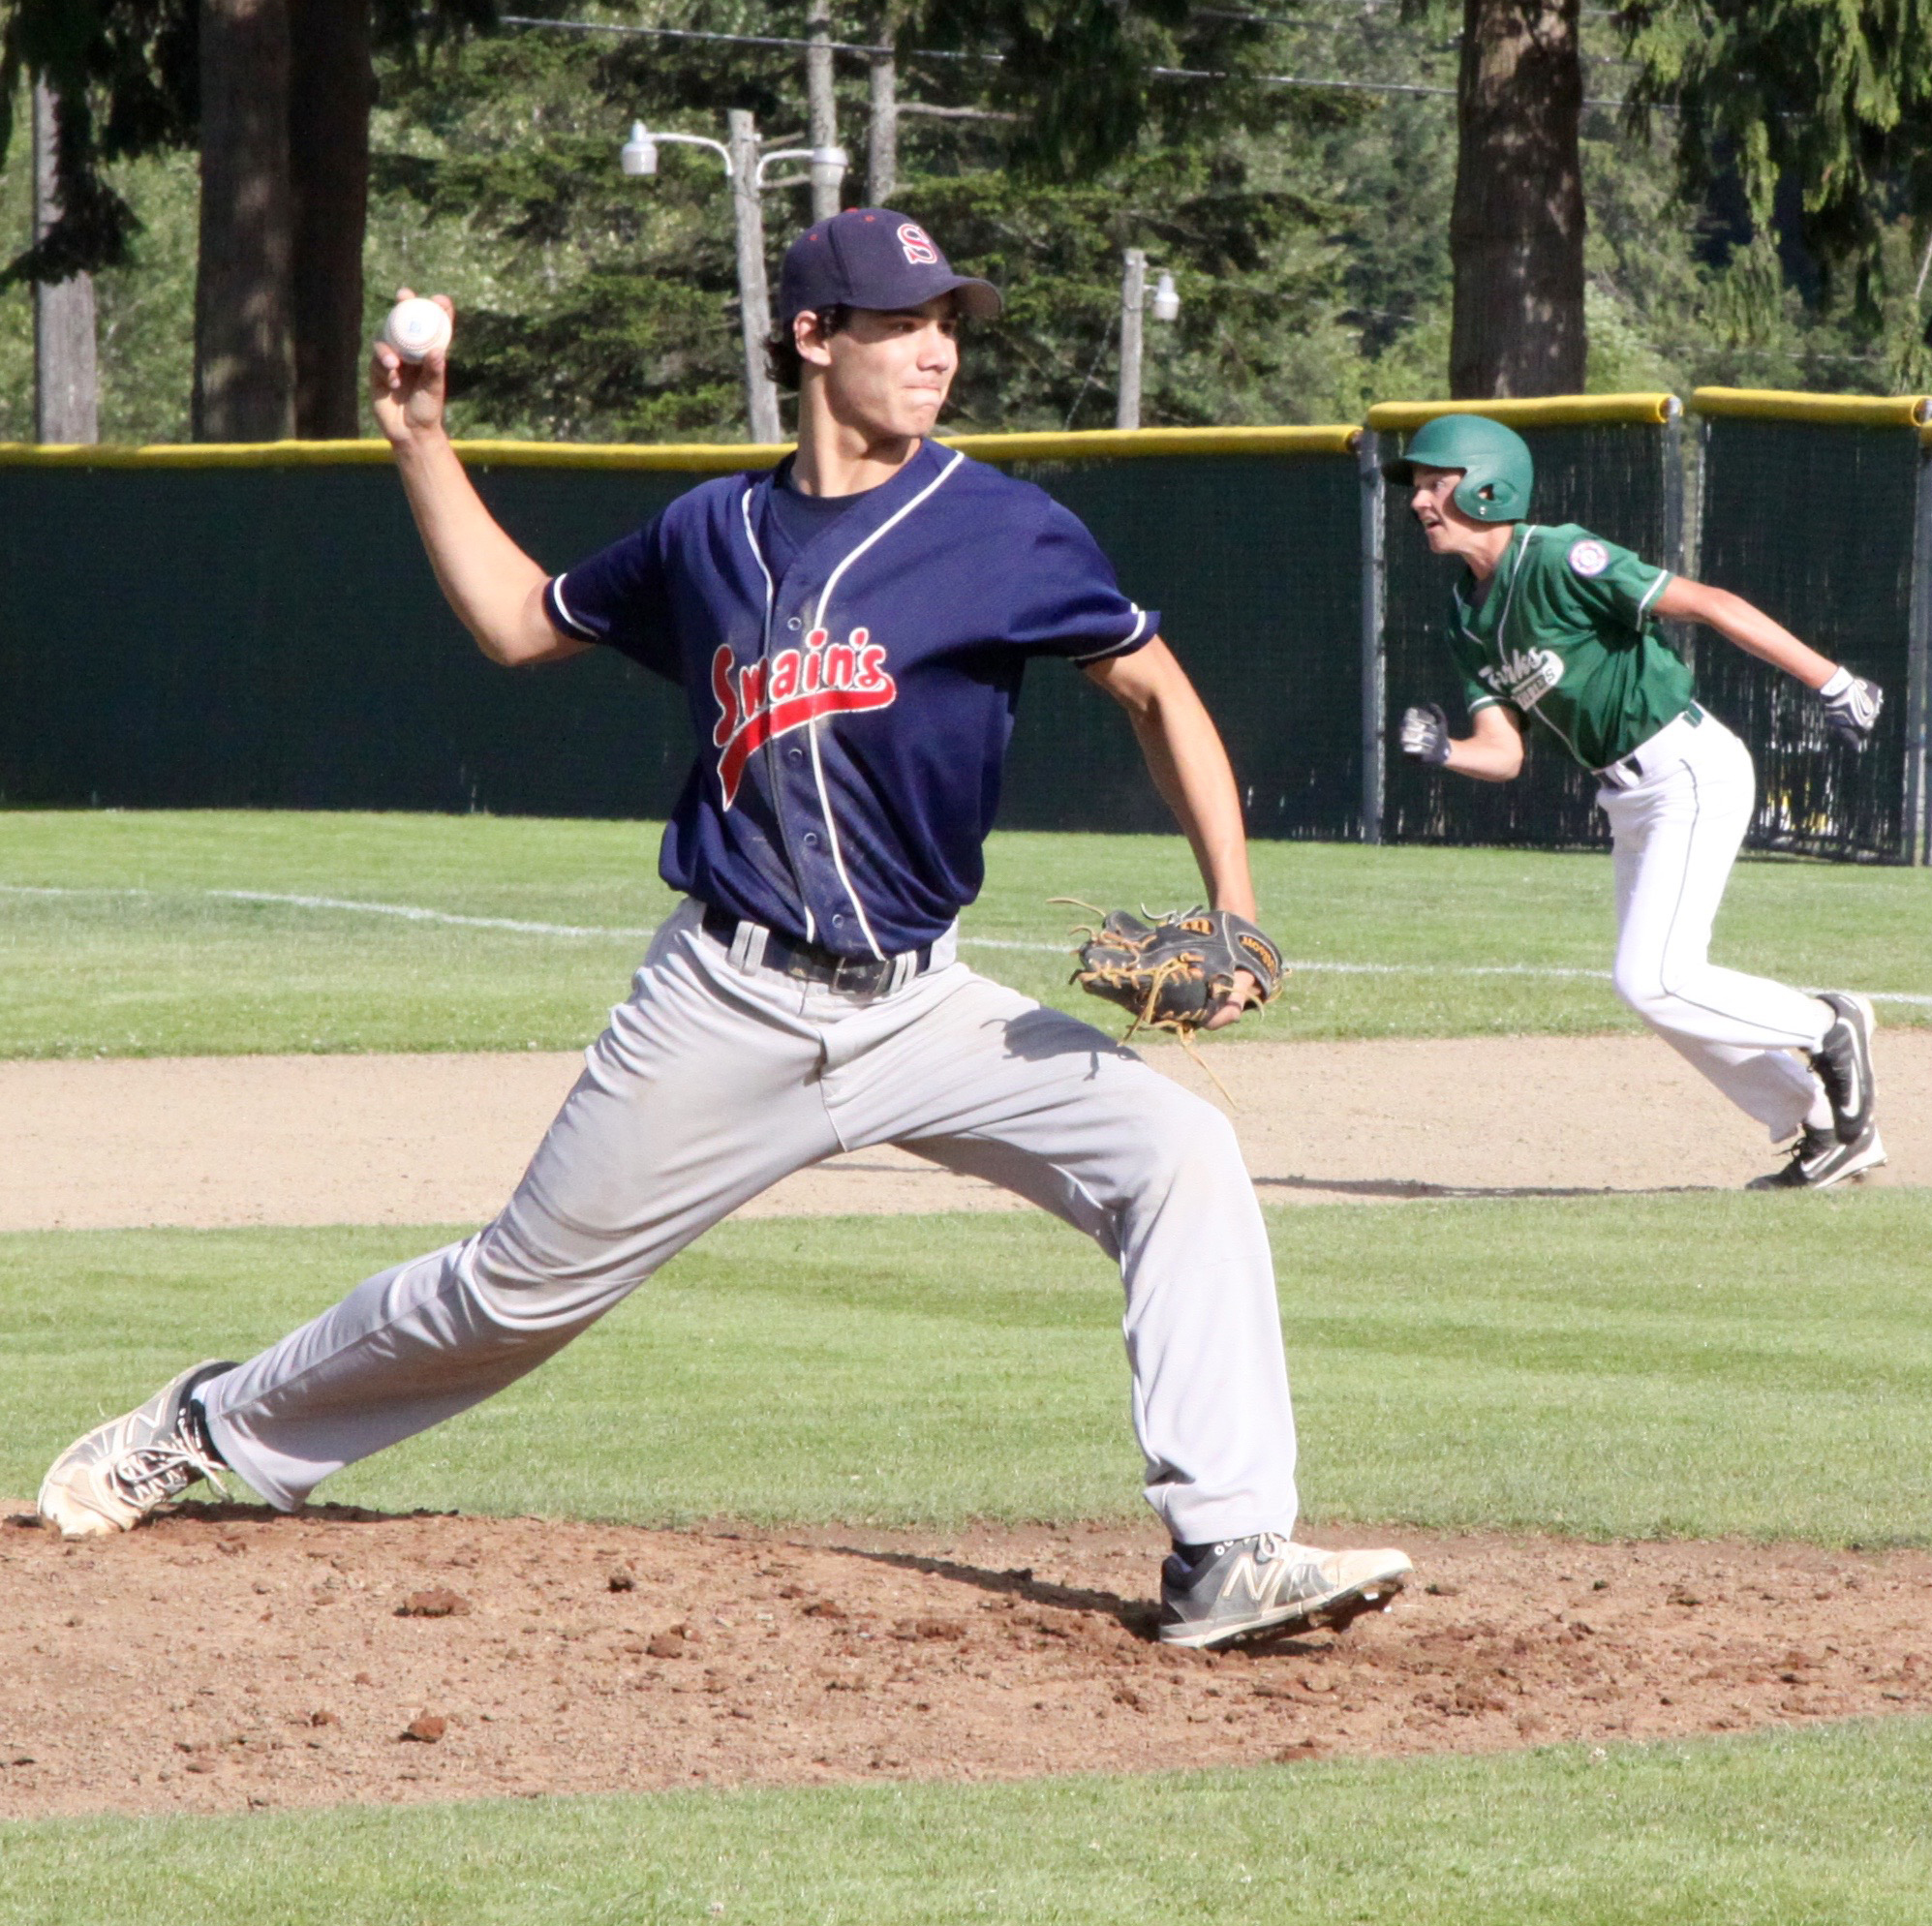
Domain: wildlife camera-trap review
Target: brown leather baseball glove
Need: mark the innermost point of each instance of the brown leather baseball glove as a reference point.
(1175, 972)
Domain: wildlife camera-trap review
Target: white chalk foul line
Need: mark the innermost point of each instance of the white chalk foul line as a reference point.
(409, 912)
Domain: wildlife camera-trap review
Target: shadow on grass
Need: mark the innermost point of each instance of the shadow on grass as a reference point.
(1416, 1187)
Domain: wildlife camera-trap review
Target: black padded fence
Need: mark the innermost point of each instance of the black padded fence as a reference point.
(1622, 480)
(270, 636)
(1814, 522)
(1255, 565)
(263, 630)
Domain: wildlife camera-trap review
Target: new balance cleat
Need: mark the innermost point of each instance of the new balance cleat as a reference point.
(1818, 1161)
(123, 1471)
(1843, 1063)
(1268, 1584)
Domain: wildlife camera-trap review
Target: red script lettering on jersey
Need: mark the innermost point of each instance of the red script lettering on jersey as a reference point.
(774, 696)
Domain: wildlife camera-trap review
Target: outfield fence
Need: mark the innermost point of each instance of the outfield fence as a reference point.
(257, 626)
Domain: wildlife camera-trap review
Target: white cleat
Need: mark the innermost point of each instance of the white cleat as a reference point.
(127, 1468)
(1266, 1583)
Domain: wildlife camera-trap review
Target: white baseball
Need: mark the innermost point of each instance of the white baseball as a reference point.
(417, 328)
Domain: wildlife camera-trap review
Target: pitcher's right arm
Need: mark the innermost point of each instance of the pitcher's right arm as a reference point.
(495, 588)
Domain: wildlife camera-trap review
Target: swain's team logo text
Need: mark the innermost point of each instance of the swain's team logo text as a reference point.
(775, 695)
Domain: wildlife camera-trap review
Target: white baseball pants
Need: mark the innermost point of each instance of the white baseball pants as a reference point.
(718, 1077)
(1675, 833)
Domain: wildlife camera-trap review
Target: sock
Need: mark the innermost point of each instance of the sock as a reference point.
(195, 1428)
(1194, 1553)
(1818, 1115)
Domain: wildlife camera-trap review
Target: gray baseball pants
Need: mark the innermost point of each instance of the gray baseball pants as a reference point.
(718, 1076)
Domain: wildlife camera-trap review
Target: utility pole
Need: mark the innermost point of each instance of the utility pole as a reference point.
(824, 107)
(754, 300)
(65, 372)
(882, 143)
(1133, 309)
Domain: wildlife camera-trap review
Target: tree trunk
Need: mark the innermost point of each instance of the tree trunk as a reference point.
(244, 358)
(331, 84)
(882, 136)
(822, 103)
(66, 367)
(1515, 235)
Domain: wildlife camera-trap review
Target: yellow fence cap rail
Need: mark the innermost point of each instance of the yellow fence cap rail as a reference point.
(686, 457)
(1556, 411)
(1847, 411)
(189, 455)
(1127, 443)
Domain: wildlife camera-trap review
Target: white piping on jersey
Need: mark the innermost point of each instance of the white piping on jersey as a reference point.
(1125, 642)
(811, 728)
(563, 609)
(771, 599)
(1651, 593)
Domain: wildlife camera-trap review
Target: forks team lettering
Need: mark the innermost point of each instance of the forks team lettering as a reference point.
(773, 696)
(1523, 676)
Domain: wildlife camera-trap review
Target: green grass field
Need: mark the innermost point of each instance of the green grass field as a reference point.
(1518, 1363)
(143, 935)
(1819, 1827)
(1530, 1365)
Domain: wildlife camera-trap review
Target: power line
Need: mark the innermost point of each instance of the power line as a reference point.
(1319, 83)
(694, 33)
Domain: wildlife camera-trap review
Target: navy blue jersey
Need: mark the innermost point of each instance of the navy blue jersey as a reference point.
(852, 699)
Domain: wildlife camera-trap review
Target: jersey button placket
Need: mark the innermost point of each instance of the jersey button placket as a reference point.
(798, 789)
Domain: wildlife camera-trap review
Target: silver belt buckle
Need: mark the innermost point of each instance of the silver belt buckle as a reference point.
(855, 976)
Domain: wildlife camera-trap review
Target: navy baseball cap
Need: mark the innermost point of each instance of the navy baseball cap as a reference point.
(871, 257)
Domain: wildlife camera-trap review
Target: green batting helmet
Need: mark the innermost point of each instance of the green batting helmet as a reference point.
(1498, 472)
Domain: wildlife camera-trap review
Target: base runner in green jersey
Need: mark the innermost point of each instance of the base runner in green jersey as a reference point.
(1552, 628)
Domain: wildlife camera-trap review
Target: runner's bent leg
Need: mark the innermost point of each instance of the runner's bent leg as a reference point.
(1676, 839)
(699, 1095)
(989, 1083)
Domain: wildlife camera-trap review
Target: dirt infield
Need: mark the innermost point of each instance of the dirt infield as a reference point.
(222, 1659)
(398, 1140)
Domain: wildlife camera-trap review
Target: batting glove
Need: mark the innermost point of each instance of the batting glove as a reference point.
(1425, 735)
(1852, 706)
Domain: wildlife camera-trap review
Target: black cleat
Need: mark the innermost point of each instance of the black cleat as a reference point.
(1843, 1063)
(1818, 1161)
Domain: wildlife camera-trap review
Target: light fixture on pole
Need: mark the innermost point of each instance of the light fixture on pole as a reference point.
(744, 168)
(1134, 304)
(825, 166)
(638, 156)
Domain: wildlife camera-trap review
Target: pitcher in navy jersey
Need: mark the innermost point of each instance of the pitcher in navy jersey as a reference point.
(850, 631)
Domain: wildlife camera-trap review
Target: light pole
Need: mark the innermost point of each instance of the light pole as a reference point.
(745, 171)
(1134, 302)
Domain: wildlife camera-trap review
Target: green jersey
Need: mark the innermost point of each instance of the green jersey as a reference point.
(1564, 637)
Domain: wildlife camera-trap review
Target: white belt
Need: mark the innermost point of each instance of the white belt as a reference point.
(1651, 754)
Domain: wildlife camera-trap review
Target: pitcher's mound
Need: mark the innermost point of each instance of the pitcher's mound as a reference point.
(223, 1658)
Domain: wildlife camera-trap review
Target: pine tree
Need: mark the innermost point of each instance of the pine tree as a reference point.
(1837, 97)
